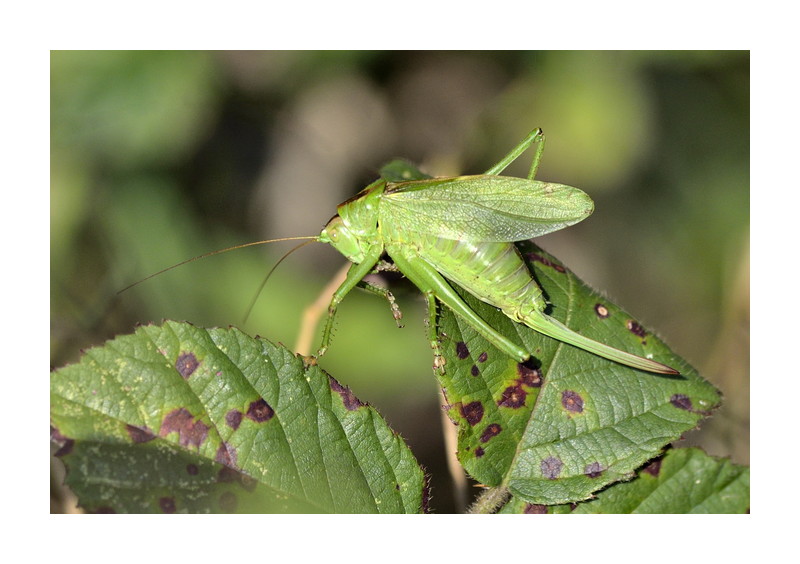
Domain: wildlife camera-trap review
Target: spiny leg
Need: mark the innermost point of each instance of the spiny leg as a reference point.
(537, 156)
(377, 290)
(385, 266)
(535, 136)
(433, 337)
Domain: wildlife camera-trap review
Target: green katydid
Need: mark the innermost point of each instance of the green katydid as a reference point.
(463, 229)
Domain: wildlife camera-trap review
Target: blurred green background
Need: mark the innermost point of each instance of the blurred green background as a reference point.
(160, 156)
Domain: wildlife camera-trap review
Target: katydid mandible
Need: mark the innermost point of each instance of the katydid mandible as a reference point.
(463, 229)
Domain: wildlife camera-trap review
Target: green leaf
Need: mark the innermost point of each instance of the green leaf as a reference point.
(177, 418)
(684, 480)
(400, 170)
(566, 423)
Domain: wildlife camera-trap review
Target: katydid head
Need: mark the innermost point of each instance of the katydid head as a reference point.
(337, 234)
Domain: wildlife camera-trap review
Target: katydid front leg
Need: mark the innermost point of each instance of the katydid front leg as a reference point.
(354, 276)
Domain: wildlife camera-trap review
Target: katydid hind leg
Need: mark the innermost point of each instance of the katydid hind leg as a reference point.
(429, 281)
(557, 330)
(535, 136)
(537, 157)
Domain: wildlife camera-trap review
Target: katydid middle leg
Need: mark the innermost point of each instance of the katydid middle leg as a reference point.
(433, 337)
(377, 290)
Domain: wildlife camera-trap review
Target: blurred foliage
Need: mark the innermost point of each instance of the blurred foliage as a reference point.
(160, 156)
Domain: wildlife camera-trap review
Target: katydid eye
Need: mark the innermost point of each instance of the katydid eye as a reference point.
(333, 227)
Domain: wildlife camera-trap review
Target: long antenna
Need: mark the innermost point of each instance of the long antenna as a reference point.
(217, 252)
(264, 282)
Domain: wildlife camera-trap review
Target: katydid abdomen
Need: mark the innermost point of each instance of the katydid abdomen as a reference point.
(495, 273)
(491, 271)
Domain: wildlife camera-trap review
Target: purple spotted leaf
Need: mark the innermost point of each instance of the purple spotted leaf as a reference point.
(566, 423)
(176, 419)
(684, 480)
